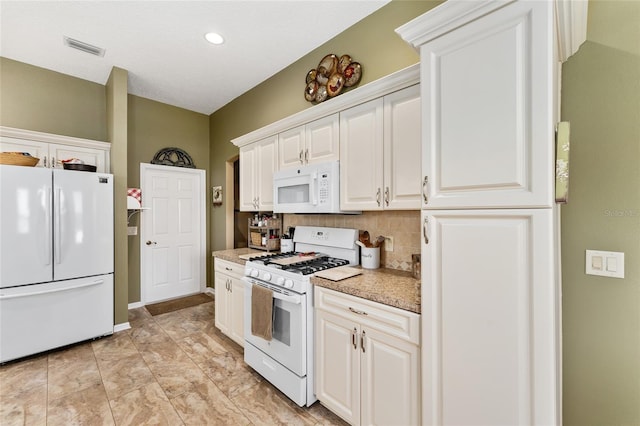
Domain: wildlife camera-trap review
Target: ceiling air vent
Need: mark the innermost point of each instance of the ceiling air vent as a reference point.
(85, 47)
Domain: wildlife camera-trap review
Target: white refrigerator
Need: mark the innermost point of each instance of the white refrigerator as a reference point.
(56, 258)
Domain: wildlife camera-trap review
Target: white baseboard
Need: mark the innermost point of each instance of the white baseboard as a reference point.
(121, 327)
(210, 290)
(135, 305)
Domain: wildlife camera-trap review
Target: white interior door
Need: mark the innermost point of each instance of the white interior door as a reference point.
(172, 233)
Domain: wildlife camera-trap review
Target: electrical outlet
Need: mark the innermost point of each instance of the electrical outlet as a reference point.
(388, 243)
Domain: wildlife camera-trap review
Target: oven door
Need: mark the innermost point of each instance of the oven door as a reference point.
(289, 344)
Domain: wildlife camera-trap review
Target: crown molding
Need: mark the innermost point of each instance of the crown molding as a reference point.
(32, 135)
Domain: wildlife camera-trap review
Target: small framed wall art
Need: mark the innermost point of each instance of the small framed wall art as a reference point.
(216, 195)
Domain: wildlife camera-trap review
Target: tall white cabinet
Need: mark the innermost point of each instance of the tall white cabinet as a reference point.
(491, 321)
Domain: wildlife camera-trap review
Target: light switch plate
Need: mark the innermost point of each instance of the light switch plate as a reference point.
(604, 263)
(132, 230)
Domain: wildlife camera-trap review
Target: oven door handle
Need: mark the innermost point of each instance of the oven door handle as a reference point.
(296, 300)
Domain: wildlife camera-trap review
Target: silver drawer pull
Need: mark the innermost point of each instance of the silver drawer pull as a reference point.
(355, 311)
(228, 269)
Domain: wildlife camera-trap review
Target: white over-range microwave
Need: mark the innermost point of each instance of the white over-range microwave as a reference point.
(308, 189)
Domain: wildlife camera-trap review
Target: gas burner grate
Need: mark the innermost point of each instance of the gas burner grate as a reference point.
(311, 266)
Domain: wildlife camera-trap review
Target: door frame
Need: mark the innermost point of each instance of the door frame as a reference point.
(201, 173)
(229, 201)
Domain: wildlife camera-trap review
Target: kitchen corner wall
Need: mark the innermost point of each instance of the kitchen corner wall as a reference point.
(601, 316)
(403, 226)
(153, 126)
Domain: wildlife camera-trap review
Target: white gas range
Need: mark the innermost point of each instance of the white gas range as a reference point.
(287, 359)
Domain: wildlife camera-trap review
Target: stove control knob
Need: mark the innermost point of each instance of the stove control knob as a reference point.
(280, 280)
(253, 273)
(288, 283)
(266, 276)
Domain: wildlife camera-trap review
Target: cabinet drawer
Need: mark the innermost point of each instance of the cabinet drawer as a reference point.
(388, 319)
(229, 268)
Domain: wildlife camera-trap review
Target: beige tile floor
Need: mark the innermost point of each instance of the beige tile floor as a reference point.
(171, 369)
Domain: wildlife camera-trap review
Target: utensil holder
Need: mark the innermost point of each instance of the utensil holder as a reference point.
(370, 257)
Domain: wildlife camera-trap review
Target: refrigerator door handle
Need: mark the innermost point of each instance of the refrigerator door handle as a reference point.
(57, 227)
(55, 290)
(48, 241)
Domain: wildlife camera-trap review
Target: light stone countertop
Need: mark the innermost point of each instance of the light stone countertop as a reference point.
(232, 254)
(387, 286)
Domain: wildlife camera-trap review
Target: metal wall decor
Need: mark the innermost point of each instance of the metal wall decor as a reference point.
(331, 76)
(173, 157)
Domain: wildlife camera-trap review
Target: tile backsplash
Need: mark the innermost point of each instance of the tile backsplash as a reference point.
(403, 226)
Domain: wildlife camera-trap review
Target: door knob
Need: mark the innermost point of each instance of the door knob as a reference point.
(151, 242)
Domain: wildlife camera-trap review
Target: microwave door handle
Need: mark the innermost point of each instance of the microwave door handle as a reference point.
(314, 188)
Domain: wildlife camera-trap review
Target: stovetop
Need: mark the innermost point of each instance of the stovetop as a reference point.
(317, 248)
(293, 271)
(308, 267)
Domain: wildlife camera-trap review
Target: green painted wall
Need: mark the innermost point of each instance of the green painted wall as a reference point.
(601, 316)
(34, 98)
(116, 90)
(153, 126)
(372, 42)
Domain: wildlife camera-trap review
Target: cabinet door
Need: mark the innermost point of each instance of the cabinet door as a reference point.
(236, 310)
(94, 157)
(267, 165)
(322, 140)
(248, 179)
(488, 110)
(36, 149)
(402, 149)
(390, 380)
(361, 156)
(221, 300)
(291, 147)
(337, 365)
(490, 315)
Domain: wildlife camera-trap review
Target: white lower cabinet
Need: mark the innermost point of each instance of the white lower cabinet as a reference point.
(490, 294)
(367, 360)
(229, 299)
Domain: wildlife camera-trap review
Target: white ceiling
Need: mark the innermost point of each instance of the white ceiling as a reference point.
(161, 43)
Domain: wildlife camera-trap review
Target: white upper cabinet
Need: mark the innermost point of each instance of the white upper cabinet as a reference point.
(258, 162)
(315, 142)
(51, 149)
(361, 154)
(489, 110)
(291, 148)
(323, 140)
(380, 147)
(402, 148)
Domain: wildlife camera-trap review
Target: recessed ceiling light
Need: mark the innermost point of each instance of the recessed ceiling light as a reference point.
(214, 38)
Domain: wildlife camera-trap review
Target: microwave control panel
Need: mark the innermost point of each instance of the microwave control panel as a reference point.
(323, 188)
